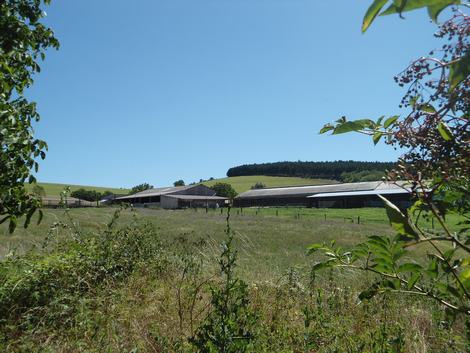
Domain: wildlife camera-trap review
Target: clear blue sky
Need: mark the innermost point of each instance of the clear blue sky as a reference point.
(155, 91)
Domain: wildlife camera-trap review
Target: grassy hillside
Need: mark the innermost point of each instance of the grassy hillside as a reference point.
(53, 189)
(244, 183)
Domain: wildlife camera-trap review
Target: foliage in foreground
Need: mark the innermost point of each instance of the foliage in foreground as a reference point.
(435, 135)
(23, 42)
(124, 289)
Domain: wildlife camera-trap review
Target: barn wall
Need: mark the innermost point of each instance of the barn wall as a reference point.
(168, 202)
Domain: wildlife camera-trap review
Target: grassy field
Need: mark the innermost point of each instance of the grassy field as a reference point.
(268, 243)
(53, 189)
(159, 304)
(244, 183)
(271, 240)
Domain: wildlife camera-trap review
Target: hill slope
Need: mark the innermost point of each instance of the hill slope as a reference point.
(53, 189)
(244, 183)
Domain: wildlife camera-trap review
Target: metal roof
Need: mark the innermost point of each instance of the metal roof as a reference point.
(195, 197)
(360, 193)
(157, 192)
(306, 191)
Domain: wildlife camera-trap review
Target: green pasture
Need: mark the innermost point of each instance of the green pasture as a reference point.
(53, 189)
(268, 244)
(244, 183)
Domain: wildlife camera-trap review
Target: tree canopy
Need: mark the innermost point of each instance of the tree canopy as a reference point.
(224, 190)
(23, 42)
(326, 170)
(140, 187)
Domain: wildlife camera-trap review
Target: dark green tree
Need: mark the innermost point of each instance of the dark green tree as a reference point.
(258, 185)
(23, 42)
(179, 183)
(224, 190)
(140, 187)
(87, 195)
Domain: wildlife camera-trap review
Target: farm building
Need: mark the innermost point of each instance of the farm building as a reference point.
(347, 195)
(70, 202)
(175, 197)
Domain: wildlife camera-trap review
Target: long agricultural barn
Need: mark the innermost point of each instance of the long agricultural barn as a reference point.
(175, 197)
(347, 195)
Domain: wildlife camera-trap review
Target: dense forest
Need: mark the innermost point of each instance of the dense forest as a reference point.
(347, 171)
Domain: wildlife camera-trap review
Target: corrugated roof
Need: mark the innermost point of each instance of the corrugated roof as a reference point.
(157, 192)
(195, 197)
(304, 191)
(393, 191)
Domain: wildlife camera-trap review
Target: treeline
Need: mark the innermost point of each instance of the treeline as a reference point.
(336, 170)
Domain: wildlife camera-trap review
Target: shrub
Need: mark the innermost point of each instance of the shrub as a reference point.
(258, 185)
(31, 284)
(224, 190)
(229, 327)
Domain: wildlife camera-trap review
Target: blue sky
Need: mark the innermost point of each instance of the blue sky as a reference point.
(155, 91)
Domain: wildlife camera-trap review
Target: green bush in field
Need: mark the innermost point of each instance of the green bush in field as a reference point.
(43, 288)
(230, 325)
(224, 190)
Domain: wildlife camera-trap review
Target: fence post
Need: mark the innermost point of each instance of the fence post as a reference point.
(358, 219)
(325, 216)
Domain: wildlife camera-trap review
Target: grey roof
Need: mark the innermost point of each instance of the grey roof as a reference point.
(306, 191)
(157, 192)
(196, 197)
(377, 191)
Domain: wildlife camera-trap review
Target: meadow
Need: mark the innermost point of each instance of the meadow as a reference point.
(147, 284)
(54, 189)
(244, 183)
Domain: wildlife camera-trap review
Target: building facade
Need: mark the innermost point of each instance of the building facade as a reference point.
(175, 197)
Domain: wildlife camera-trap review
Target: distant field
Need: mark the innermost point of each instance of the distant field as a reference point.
(268, 245)
(53, 189)
(274, 239)
(244, 183)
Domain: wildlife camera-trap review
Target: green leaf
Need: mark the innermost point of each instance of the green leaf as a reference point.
(326, 128)
(435, 9)
(376, 137)
(444, 130)
(12, 224)
(355, 125)
(409, 267)
(432, 269)
(372, 13)
(428, 108)
(459, 71)
(464, 277)
(413, 279)
(398, 220)
(416, 4)
(322, 265)
(390, 121)
(314, 247)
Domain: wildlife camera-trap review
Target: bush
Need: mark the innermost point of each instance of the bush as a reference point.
(88, 195)
(258, 185)
(229, 327)
(224, 190)
(31, 284)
